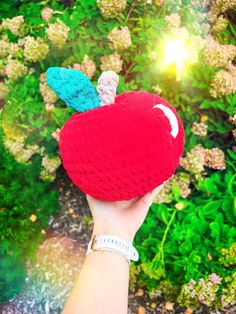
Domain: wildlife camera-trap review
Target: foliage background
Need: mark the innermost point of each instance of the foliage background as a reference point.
(189, 233)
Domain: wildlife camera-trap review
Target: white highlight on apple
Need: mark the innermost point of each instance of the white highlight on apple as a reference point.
(171, 117)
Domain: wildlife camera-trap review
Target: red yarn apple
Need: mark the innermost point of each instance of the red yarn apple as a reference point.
(125, 149)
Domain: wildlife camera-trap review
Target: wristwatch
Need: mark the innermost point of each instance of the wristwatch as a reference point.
(107, 242)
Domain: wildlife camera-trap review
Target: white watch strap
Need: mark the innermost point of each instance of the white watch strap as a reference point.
(113, 243)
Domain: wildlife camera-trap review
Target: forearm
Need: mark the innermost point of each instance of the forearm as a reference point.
(102, 286)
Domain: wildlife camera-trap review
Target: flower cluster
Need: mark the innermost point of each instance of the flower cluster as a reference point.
(56, 134)
(57, 33)
(15, 25)
(229, 255)
(133, 274)
(232, 69)
(224, 82)
(15, 69)
(220, 25)
(47, 13)
(21, 153)
(50, 166)
(199, 128)
(173, 20)
(3, 90)
(216, 54)
(182, 180)
(49, 97)
(195, 160)
(120, 39)
(15, 50)
(204, 291)
(111, 8)
(215, 158)
(220, 6)
(227, 297)
(87, 66)
(5, 47)
(35, 49)
(111, 62)
(232, 119)
(199, 157)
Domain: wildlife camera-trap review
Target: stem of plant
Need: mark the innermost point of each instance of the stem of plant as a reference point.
(130, 11)
(161, 251)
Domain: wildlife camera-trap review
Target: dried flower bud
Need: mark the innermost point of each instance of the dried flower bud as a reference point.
(15, 25)
(111, 62)
(15, 69)
(3, 90)
(50, 166)
(57, 33)
(199, 128)
(218, 55)
(35, 49)
(195, 160)
(87, 67)
(224, 83)
(111, 8)
(47, 13)
(5, 47)
(215, 158)
(120, 39)
(173, 20)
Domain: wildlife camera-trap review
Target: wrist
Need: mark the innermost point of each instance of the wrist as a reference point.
(108, 228)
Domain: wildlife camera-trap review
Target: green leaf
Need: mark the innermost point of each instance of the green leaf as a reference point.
(210, 209)
(151, 242)
(232, 232)
(163, 214)
(175, 192)
(231, 154)
(227, 204)
(215, 229)
(200, 225)
(185, 247)
(230, 185)
(210, 186)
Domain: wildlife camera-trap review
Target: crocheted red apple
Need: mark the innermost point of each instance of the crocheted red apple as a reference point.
(120, 150)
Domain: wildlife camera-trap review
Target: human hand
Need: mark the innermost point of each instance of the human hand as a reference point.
(121, 218)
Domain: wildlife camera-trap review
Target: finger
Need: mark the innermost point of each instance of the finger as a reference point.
(155, 191)
(149, 197)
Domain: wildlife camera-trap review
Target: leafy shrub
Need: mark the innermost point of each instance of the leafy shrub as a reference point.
(26, 204)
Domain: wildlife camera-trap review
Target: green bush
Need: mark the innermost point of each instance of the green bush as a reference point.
(184, 240)
(26, 204)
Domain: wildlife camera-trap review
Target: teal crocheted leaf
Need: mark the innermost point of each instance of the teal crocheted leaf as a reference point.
(73, 87)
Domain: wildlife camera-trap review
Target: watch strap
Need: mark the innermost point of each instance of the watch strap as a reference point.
(116, 244)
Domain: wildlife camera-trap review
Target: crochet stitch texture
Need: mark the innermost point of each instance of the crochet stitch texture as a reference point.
(73, 87)
(122, 150)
